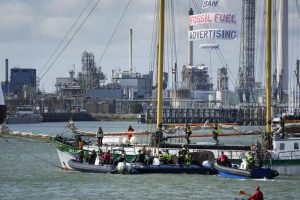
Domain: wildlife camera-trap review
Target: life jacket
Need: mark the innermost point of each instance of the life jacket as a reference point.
(167, 156)
(250, 159)
(188, 130)
(187, 159)
(217, 130)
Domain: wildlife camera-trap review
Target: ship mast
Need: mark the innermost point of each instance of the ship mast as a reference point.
(160, 63)
(268, 69)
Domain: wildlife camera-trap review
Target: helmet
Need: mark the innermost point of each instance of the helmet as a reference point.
(257, 188)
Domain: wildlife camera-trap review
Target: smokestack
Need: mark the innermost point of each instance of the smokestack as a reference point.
(130, 51)
(190, 56)
(6, 71)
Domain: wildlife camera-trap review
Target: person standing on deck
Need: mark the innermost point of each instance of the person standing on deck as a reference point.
(99, 136)
(129, 134)
(282, 122)
(188, 133)
(216, 132)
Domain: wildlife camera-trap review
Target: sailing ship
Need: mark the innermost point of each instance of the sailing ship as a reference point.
(282, 146)
(69, 153)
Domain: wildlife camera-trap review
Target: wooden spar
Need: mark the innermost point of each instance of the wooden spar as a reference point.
(220, 134)
(200, 124)
(160, 63)
(268, 66)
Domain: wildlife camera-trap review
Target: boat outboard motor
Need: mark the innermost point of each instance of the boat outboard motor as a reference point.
(156, 161)
(206, 164)
(123, 168)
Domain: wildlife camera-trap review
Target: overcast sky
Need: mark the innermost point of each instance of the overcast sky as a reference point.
(32, 29)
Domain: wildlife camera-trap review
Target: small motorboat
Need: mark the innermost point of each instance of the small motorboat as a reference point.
(139, 168)
(85, 167)
(234, 171)
(157, 167)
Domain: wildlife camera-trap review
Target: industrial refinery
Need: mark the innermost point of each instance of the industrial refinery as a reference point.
(194, 97)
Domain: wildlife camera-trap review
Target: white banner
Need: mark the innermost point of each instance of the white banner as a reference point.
(210, 3)
(209, 46)
(204, 18)
(224, 34)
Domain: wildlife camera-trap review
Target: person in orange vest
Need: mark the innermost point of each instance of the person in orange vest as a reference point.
(80, 144)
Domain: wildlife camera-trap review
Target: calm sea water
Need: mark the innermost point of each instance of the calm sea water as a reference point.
(28, 171)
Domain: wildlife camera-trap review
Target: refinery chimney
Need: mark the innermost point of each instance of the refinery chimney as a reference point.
(6, 71)
(190, 49)
(130, 51)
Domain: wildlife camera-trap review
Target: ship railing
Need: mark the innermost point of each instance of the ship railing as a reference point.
(289, 155)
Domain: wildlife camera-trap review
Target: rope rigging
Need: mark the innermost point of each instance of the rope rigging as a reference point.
(10, 140)
(69, 41)
(66, 35)
(114, 32)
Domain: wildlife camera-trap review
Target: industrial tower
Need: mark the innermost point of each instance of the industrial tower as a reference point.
(246, 81)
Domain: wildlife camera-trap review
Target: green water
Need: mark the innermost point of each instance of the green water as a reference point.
(28, 171)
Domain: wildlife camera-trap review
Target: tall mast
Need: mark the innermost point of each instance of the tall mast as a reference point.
(282, 58)
(268, 66)
(160, 62)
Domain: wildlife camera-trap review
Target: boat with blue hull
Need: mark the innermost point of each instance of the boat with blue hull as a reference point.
(140, 168)
(91, 168)
(255, 173)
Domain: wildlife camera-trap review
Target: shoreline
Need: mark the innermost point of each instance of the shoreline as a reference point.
(114, 117)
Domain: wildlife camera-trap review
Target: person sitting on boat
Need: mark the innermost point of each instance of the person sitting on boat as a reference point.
(250, 160)
(188, 133)
(167, 157)
(106, 157)
(187, 158)
(120, 159)
(258, 159)
(180, 158)
(148, 157)
(216, 132)
(257, 195)
(140, 157)
(99, 136)
(129, 134)
(223, 160)
(80, 144)
(93, 157)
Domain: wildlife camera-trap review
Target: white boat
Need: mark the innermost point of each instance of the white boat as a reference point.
(24, 115)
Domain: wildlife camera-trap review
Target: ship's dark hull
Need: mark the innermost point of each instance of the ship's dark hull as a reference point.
(2, 113)
(65, 117)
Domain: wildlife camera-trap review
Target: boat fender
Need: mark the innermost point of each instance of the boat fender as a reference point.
(125, 141)
(121, 167)
(133, 140)
(244, 164)
(206, 164)
(156, 161)
(97, 161)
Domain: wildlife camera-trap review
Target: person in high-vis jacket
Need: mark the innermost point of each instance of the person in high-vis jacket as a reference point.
(188, 133)
(187, 158)
(216, 132)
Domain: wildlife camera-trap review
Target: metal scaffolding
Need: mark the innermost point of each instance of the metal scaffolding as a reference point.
(246, 80)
